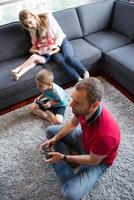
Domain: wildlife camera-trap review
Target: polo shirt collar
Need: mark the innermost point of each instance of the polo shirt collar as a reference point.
(97, 113)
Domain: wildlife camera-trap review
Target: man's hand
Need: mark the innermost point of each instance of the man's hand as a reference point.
(48, 143)
(55, 156)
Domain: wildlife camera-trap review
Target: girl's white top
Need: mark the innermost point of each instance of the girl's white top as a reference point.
(54, 31)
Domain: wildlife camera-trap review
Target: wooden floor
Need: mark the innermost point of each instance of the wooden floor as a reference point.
(28, 101)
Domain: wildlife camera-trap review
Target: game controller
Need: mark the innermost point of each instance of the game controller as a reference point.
(45, 151)
(41, 102)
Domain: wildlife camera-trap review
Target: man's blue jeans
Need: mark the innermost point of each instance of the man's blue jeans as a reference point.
(67, 61)
(74, 186)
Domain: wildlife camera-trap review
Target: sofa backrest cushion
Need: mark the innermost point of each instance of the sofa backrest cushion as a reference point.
(95, 17)
(14, 41)
(123, 19)
(69, 22)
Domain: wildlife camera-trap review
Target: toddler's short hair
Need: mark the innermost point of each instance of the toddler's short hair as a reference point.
(45, 76)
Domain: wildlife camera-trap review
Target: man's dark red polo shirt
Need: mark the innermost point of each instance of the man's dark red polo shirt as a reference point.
(101, 134)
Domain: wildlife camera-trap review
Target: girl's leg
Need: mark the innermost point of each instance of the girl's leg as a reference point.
(59, 59)
(71, 60)
(29, 64)
(25, 64)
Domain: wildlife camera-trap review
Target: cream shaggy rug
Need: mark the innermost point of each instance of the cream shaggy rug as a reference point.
(24, 175)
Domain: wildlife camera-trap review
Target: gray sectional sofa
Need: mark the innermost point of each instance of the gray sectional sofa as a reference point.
(102, 35)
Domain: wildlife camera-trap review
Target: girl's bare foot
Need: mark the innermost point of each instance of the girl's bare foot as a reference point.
(15, 71)
(16, 76)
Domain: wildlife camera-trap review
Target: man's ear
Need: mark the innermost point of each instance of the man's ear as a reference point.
(95, 104)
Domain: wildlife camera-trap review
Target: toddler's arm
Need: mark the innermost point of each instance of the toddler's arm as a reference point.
(38, 98)
(50, 103)
(32, 50)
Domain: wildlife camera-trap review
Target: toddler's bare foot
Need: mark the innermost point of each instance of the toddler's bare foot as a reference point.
(33, 107)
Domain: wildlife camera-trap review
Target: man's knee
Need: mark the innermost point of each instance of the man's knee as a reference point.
(53, 130)
(49, 132)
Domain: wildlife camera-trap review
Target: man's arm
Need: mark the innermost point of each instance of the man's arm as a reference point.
(91, 159)
(68, 127)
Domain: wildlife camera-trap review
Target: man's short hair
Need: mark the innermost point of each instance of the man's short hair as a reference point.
(93, 87)
(45, 76)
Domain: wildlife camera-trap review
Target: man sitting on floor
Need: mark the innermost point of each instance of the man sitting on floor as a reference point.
(96, 141)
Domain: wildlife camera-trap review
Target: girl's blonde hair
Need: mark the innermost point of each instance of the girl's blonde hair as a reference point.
(45, 76)
(41, 19)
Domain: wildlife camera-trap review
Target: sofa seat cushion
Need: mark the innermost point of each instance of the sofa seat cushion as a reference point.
(122, 61)
(107, 40)
(9, 86)
(85, 52)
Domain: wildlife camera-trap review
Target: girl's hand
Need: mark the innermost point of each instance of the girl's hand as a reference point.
(51, 52)
(55, 156)
(52, 47)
